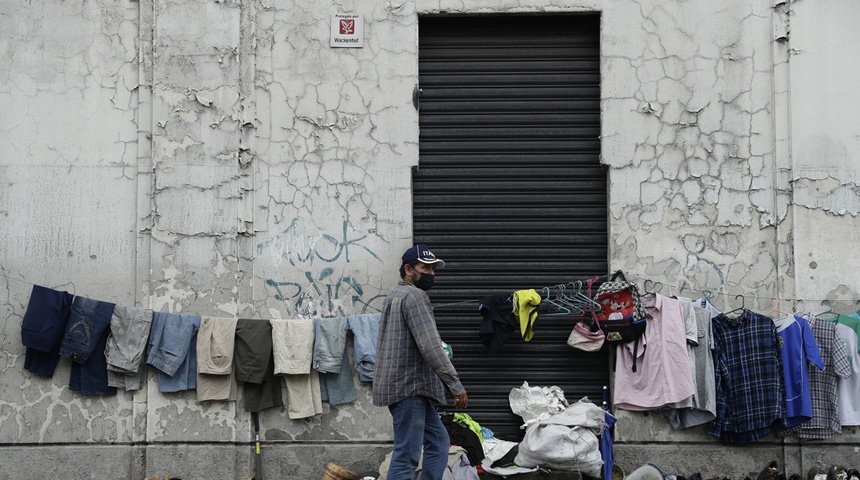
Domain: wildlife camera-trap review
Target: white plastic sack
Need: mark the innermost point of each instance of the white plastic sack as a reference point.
(566, 441)
(536, 403)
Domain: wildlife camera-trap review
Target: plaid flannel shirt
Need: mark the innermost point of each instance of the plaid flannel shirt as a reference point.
(749, 380)
(823, 384)
(410, 360)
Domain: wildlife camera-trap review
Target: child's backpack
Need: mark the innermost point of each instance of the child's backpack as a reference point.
(622, 316)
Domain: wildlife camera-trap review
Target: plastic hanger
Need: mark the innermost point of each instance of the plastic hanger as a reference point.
(829, 310)
(587, 304)
(739, 309)
(561, 298)
(555, 307)
(707, 296)
(775, 304)
(656, 285)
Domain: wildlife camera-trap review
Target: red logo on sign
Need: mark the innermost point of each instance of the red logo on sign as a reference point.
(347, 27)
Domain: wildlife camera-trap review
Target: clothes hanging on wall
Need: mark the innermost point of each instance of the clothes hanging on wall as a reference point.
(702, 407)
(848, 328)
(126, 346)
(332, 361)
(365, 330)
(173, 351)
(255, 365)
(190, 352)
(823, 384)
(798, 349)
(84, 343)
(498, 322)
(216, 341)
(664, 375)
(43, 327)
(293, 347)
(525, 308)
(88, 322)
(750, 393)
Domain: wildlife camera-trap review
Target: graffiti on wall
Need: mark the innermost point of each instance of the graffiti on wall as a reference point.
(310, 285)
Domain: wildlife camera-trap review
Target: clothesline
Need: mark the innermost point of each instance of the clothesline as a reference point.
(705, 292)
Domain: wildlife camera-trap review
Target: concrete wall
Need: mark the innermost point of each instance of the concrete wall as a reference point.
(219, 158)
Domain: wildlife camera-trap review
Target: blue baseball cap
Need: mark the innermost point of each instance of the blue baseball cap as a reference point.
(423, 254)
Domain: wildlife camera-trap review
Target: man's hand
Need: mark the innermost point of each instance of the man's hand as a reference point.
(461, 400)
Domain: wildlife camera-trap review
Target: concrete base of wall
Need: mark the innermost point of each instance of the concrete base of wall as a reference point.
(220, 461)
(736, 462)
(188, 462)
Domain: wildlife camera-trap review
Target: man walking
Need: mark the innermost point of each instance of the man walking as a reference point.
(412, 370)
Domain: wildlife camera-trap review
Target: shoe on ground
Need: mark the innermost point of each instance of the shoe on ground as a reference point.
(837, 473)
(646, 472)
(816, 473)
(853, 474)
(770, 472)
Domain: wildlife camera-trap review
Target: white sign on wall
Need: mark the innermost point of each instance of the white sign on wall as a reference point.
(347, 31)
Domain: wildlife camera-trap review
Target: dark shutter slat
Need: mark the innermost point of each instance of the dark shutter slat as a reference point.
(510, 192)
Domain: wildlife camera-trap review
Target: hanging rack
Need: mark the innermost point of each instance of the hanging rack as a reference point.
(570, 295)
(555, 307)
(561, 298)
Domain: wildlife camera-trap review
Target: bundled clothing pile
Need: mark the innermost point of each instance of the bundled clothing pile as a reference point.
(111, 345)
(558, 435)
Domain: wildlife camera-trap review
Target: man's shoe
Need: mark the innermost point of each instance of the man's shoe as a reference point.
(816, 473)
(770, 472)
(837, 473)
(853, 474)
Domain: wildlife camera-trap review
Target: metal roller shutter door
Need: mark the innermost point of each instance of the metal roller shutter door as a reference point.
(510, 193)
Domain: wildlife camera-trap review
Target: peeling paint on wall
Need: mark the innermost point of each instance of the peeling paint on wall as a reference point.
(217, 157)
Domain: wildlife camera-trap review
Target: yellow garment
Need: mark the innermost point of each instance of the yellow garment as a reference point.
(525, 308)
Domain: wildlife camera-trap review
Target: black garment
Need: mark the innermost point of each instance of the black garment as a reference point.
(255, 365)
(463, 436)
(498, 323)
(43, 328)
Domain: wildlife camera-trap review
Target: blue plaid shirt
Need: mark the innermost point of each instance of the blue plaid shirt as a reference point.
(748, 366)
(410, 360)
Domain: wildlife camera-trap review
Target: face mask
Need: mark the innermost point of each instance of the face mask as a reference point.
(425, 282)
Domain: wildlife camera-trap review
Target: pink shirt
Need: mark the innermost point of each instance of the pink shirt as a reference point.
(663, 375)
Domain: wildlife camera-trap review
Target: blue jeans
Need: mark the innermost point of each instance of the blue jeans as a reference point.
(365, 329)
(88, 320)
(170, 340)
(338, 388)
(417, 424)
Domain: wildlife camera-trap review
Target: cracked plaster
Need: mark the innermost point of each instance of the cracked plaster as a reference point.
(273, 172)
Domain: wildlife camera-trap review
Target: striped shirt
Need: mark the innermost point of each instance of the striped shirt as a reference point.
(410, 360)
